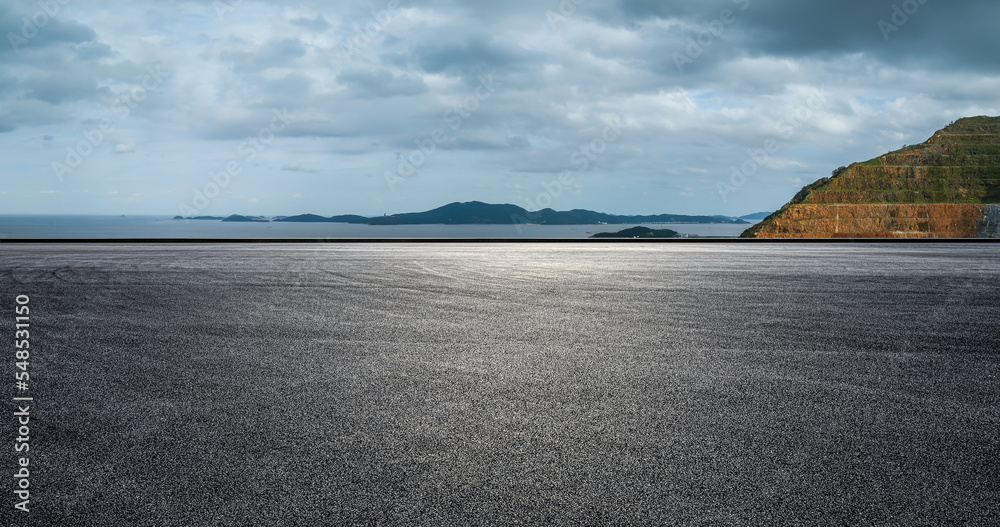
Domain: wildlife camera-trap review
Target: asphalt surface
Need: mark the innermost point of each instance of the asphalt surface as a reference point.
(680, 384)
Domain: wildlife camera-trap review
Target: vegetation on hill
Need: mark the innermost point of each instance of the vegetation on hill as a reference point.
(640, 232)
(799, 197)
(938, 188)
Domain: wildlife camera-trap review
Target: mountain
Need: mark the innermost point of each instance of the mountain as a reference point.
(479, 213)
(313, 218)
(475, 212)
(454, 213)
(245, 219)
(757, 216)
(640, 232)
(945, 187)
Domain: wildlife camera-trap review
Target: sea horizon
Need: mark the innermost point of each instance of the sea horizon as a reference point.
(82, 226)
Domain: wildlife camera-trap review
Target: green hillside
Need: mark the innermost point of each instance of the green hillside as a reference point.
(942, 187)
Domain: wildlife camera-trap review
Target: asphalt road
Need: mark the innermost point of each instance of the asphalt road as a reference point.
(507, 384)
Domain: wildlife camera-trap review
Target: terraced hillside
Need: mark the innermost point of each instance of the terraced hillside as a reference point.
(946, 187)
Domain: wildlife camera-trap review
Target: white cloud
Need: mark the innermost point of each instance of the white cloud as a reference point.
(555, 88)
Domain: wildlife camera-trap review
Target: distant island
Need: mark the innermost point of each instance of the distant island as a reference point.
(945, 187)
(757, 216)
(479, 213)
(314, 218)
(642, 232)
(246, 219)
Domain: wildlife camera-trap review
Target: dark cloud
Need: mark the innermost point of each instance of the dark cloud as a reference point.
(316, 24)
(472, 55)
(476, 144)
(640, 10)
(381, 83)
(920, 33)
(33, 28)
(56, 88)
(938, 33)
(518, 142)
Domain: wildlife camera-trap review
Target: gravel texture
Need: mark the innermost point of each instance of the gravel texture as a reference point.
(184, 385)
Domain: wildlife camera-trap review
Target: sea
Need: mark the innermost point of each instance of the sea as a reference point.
(97, 226)
(184, 384)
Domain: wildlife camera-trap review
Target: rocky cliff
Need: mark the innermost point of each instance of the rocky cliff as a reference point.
(946, 187)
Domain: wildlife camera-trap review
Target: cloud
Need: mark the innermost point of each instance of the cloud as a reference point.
(316, 24)
(295, 166)
(55, 88)
(93, 50)
(31, 29)
(381, 83)
(245, 57)
(555, 88)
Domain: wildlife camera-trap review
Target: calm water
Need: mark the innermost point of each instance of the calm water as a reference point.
(166, 227)
(512, 384)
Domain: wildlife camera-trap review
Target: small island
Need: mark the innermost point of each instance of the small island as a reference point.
(641, 232)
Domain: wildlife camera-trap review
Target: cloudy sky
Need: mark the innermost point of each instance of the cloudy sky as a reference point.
(368, 107)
